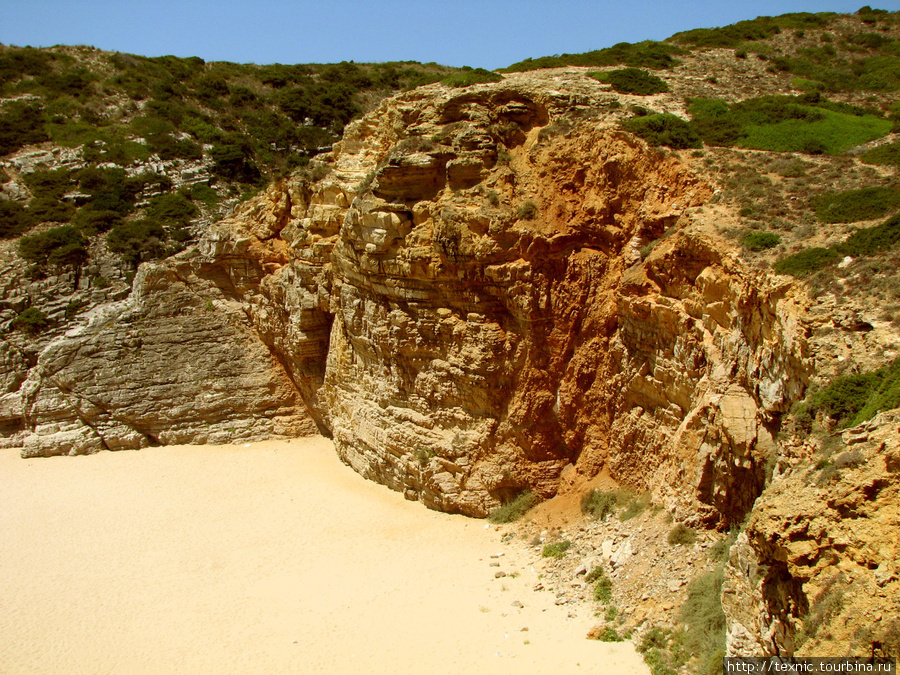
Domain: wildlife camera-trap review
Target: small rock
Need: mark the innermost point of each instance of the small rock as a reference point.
(495, 564)
(497, 555)
(499, 575)
(518, 604)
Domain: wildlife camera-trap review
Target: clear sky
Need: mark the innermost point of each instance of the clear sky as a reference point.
(486, 33)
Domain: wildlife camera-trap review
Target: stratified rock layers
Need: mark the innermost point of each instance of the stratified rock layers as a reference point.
(465, 298)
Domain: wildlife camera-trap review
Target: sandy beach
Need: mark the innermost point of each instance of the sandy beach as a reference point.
(267, 558)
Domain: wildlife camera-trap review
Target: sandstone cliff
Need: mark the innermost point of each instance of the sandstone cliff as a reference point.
(815, 570)
(478, 288)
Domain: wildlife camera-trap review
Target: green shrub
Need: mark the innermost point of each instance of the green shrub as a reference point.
(48, 209)
(635, 505)
(557, 550)
(863, 242)
(50, 184)
(21, 124)
(14, 219)
(855, 205)
(200, 192)
(595, 574)
(681, 535)
(234, 162)
(603, 590)
(92, 222)
(852, 399)
(885, 155)
(172, 208)
(527, 211)
(806, 262)
(704, 619)
(785, 124)
(514, 509)
(751, 30)
(137, 241)
(610, 634)
(470, 76)
(664, 129)
(113, 190)
(885, 397)
(871, 240)
(632, 81)
(647, 54)
(59, 246)
(760, 241)
(599, 503)
(31, 321)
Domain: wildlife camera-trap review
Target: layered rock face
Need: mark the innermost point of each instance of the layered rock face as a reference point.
(815, 571)
(171, 365)
(465, 298)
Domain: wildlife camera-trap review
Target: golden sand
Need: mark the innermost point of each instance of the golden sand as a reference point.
(266, 558)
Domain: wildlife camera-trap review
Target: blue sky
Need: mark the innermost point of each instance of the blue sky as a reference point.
(485, 33)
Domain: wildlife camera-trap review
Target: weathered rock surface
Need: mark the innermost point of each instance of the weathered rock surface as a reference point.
(166, 366)
(815, 571)
(462, 303)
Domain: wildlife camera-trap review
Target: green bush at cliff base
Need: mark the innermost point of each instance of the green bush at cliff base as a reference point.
(704, 619)
(871, 240)
(14, 219)
(603, 590)
(557, 550)
(681, 535)
(600, 503)
(514, 509)
(137, 241)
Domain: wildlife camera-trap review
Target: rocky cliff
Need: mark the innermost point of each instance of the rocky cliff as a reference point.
(815, 570)
(476, 289)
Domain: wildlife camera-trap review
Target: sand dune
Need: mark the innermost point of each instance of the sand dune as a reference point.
(268, 558)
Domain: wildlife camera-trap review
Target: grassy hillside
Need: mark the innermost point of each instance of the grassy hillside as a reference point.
(155, 143)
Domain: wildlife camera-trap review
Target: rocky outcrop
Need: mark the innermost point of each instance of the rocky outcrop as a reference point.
(170, 365)
(465, 297)
(815, 570)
